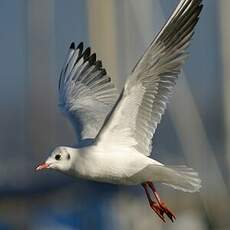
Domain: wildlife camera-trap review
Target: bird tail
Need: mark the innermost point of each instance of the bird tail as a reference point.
(178, 177)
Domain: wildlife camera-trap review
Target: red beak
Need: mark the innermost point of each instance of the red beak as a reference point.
(42, 166)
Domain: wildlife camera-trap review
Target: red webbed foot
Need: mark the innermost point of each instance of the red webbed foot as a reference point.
(165, 210)
(158, 207)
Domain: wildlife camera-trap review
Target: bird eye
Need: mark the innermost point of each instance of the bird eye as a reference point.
(68, 156)
(57, 157)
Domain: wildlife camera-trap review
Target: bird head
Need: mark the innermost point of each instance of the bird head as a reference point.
(60, 159)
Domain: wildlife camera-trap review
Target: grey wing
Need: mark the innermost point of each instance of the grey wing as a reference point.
(148, 88)
(86, 93)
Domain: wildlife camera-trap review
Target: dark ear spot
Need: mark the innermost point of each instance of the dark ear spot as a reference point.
(68, 156)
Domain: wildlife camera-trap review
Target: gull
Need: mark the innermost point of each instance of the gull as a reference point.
(115, 132)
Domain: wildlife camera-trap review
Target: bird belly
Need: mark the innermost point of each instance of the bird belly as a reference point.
(114, 167)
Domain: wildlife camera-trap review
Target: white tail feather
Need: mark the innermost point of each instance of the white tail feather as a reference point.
(184, 178)
(178, 177)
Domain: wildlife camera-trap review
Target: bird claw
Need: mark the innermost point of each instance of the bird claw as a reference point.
(165, 210)
(161, 209)
(157, 209)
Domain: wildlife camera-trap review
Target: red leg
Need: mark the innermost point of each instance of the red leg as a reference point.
(153, 204)
(162, 206)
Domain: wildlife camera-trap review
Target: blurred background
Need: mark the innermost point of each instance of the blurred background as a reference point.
(34, 39)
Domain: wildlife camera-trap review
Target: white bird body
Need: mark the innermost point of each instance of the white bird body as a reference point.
(114, 133)
(122, 166)
(117, 166)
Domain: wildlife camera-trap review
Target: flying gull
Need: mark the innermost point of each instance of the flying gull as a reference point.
(115, 132)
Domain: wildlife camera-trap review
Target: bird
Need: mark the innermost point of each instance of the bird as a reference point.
(114, 132)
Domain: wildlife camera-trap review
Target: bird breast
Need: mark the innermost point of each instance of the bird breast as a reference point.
(112, 167)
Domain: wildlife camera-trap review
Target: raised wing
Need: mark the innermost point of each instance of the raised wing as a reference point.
(86, 93)
(138, 112)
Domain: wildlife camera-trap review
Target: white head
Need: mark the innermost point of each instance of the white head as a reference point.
(60, 159)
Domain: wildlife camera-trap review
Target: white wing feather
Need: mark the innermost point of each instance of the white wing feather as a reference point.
(135, 117)
(86, 93)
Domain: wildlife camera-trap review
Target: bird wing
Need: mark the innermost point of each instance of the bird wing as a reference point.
(138, 111)
(86, 93)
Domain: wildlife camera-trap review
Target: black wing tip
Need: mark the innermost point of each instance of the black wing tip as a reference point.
(103, 71)
(98, 64)
(198, 4)
(86, 53)
(201, 7)
(72, 46)
(80, 46)
(92, 59)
